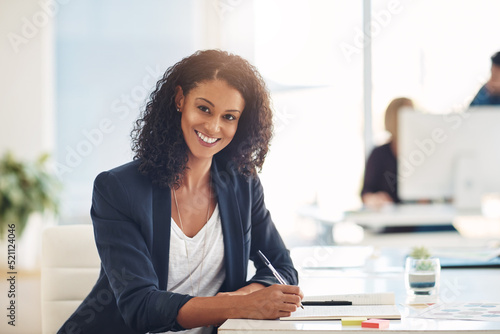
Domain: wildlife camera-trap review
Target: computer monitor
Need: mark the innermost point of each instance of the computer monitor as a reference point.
(449, 156)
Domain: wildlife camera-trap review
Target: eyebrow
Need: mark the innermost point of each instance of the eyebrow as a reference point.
(207, 101)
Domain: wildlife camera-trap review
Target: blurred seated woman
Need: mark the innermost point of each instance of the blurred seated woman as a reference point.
(380, 184)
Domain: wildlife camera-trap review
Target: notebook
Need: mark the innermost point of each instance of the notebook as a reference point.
(375, 305)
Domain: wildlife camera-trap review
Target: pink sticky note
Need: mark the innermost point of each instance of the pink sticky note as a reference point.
(375, 323)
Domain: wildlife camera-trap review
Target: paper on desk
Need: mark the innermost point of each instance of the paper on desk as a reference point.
(338, 312)
(385, 298)
(463, 311)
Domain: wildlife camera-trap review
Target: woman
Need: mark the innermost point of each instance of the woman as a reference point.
(380, 184)
(176, 227)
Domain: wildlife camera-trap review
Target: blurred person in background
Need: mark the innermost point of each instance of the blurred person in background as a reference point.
(380, 184)
(489, 94)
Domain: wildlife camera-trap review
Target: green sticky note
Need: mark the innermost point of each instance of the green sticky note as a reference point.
(352, 321)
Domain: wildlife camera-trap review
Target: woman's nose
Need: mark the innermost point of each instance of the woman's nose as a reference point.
(213, 125)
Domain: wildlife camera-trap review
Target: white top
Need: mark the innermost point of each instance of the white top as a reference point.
(207, 272)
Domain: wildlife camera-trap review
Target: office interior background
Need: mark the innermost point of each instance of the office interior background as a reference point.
(76, 74)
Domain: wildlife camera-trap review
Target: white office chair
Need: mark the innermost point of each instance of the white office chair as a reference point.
(70, 267)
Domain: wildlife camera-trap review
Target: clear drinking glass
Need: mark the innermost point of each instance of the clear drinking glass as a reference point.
(422, 275)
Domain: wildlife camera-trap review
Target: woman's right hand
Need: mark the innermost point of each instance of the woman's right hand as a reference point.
(272, 302)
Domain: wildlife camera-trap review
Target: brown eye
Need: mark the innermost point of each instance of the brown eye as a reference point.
(204, 109)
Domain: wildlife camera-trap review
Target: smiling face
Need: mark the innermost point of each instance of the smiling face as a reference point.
(210, 115)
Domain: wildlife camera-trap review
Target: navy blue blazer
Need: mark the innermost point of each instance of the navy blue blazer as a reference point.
(131, 219)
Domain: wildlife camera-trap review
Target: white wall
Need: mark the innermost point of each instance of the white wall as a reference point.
(26, 99)
(26, 128)
(26, 83)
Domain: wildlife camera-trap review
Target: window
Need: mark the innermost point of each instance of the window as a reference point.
(108, 59)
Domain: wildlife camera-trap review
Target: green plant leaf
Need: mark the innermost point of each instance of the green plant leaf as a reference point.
(25, 188)
(420, 253)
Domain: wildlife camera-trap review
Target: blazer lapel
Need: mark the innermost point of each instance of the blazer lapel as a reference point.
(232, 231)
(161, 234)
(234, 258)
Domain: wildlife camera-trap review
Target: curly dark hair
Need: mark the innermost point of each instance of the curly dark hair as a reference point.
(157, 137)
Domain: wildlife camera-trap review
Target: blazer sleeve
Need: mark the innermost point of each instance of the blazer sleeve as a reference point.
(266, 238)
(125, 254)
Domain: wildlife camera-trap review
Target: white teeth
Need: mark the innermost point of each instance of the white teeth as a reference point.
(206, 139)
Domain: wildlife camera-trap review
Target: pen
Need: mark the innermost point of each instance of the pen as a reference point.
(273, 270)
(327, 302)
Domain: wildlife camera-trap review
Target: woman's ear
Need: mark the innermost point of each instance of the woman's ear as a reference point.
(179, 98)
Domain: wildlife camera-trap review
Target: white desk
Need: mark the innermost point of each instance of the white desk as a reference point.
(382, 275)
(314, 327)
(390, 216)
(404, 215)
